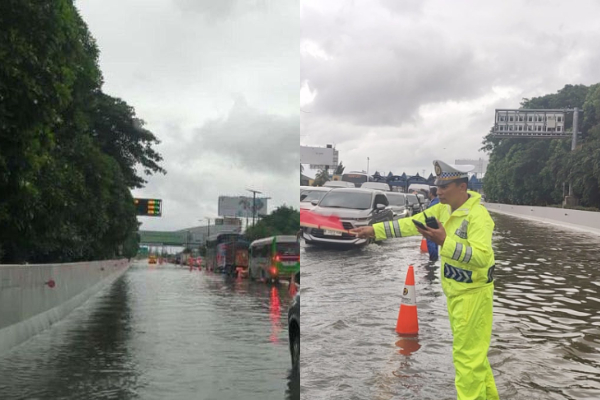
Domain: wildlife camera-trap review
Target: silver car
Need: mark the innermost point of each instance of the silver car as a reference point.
(355, 207)
(413, 203)
(309, 194)
(399, 205)
(338, 184)
(424, 200)
(376, 185)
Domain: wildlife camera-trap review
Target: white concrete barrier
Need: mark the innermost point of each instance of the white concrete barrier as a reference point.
(587, 221)
(33, 297)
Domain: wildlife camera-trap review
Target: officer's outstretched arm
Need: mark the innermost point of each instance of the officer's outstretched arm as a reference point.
(403, 227)
(478, 252)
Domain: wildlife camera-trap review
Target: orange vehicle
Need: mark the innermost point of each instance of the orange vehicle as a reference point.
(152, 259)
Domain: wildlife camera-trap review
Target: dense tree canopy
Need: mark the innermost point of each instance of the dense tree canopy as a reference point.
(537, 171)
(321, 178)
(68, 152)
(283, 221)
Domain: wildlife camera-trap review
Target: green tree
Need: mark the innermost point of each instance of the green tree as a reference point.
(283, 221)
(121, 135)
(321, 178)
(533, 171)
(65, 190)
(339, 170)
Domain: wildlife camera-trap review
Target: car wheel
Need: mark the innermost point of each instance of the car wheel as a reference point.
(295, 350)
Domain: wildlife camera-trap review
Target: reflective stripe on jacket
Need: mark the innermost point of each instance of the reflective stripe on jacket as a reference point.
(467, 256)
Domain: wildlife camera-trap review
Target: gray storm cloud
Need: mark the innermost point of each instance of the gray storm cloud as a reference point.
(178, 63)
(255, 140)
(406, 82)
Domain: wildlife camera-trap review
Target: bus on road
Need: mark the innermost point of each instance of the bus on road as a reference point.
(226, 252)
(274, 258)
(357, 178)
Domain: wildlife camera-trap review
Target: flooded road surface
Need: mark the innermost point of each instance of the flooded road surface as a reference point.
(161, 332)
(546, 335)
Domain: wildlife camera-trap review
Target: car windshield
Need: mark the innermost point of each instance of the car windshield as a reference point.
(310, 195)
(343, 199)
(412, 199)
(288, 249)
(396, 199)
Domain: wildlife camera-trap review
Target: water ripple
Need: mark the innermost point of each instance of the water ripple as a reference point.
(546, 332)
(161, 333)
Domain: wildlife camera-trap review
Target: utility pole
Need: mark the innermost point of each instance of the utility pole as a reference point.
(208, 234)
(253, 203)
(574, 141)
(368, 169)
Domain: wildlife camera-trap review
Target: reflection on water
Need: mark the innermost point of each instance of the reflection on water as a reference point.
(161, 333)
(275, 315)
(546, 319)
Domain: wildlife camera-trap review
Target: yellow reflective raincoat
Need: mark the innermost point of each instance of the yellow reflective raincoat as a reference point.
(467, 261)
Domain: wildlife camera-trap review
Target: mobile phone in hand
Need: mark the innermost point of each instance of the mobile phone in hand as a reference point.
(419, 224)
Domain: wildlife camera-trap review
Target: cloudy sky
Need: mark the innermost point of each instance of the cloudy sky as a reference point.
(405, 82)
(217, 82)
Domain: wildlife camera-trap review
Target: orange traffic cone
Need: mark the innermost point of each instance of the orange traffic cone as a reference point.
(408, 324)
(424, 246)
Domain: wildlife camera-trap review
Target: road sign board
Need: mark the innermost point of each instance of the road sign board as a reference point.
(148, 207)
(529, 123)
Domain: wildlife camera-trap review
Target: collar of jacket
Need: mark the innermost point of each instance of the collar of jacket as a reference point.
(475, 198)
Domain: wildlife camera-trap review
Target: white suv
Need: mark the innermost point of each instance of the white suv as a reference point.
(355, 207)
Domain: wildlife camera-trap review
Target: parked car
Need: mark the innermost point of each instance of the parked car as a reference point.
(294, 325)
(399, 205)
(338, 184)
(376, 185)
(413, 203)
(355, 207)
(424, 200)
(310, 193)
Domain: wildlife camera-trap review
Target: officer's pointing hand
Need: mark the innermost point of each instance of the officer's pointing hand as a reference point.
(438, 236)
(363, 232)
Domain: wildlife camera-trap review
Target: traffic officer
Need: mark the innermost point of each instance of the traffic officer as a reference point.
(465, 236)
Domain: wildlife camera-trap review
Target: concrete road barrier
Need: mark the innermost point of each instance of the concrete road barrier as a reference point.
(33, 297)
(586, 221)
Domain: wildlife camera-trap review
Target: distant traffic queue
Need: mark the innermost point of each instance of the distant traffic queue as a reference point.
(269, 259)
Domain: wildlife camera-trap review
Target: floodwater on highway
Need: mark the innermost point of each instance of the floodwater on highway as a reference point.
(162, 332)
(546, 332)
